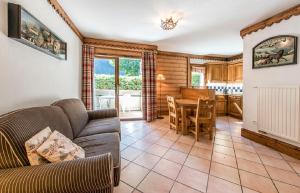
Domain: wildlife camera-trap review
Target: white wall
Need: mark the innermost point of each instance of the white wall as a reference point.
(29, 77)
(283, 75)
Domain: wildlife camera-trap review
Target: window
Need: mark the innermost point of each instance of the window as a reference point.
(198, 76)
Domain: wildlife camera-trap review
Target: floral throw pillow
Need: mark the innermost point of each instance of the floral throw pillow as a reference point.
(59, 148)
(34, 143)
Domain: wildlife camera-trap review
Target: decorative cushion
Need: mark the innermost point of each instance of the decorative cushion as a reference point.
(34, 143)
(59, 148)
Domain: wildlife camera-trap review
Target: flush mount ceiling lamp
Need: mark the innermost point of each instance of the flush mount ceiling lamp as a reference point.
(168, 23)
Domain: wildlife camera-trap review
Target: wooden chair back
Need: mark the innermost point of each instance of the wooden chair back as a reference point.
(205, 109)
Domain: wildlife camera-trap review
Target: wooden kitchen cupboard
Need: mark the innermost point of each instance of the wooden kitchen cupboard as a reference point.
(235, 72)
(217, 72)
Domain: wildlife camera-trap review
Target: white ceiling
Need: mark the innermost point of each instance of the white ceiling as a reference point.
(206, 27)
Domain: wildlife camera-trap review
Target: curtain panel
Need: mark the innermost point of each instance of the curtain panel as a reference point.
(88, 54)
(149, 86)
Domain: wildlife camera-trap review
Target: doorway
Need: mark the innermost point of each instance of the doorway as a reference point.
(118, 84)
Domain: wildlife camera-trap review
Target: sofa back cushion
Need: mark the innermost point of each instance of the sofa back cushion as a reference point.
(76, 112)
(19, 126)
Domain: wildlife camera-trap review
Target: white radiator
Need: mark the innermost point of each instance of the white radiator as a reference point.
(278, 111)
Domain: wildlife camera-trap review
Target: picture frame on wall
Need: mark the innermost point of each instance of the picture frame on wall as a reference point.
(27, 29)
(275, 51)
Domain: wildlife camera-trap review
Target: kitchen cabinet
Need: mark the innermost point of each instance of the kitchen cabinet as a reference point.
(221, 105)
(232, 110)
(235, 73)
(239, 72)
(217, 72)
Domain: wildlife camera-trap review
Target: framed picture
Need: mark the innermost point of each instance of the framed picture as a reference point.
(275, 51)
(25, 28)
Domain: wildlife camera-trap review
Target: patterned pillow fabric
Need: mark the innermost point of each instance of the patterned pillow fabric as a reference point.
(34, 143)
(59, 148)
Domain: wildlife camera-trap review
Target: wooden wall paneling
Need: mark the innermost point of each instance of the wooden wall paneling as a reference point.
(284, 15)
(174, 68)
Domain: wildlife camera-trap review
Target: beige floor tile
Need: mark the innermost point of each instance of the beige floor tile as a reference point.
(277, 163)
(136, 191)
(224, 150)
(187, 139)
(257, 183)
(198, 163)
(200, 152)
(268, 152)
(224, 137)
(180, 188)
(141, 145)
(204, 144)
(247, 190)
(157, 150)
(128, 140)
(167, 168)
(225, 172)
(286, 188)
(147, 160)
(133, 174)
(130, 153)
(175, 156)
(217, 185)
(182, 147)
(123, 188)
(284, 176)
(247, 156)
(224, 159)
(295, 166)
(252, 167)
(223, 142)
(165, 142)
(155, 183)
(193, 178)
(244, 147)
(124, 163)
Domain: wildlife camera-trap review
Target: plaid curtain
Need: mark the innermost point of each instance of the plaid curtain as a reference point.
(149, 86)
(87, 75)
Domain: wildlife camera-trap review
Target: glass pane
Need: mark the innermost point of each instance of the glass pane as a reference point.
(130, 94)
(104, 83)
(197, 79)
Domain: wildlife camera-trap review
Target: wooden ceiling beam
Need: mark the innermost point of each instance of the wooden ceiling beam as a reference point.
(119, 44)
(58, 8)
(284, 15)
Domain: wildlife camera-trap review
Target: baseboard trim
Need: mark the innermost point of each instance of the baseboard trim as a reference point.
(280, 146)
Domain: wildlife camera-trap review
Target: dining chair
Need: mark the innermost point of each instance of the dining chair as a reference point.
(204, 116)
(174, 114)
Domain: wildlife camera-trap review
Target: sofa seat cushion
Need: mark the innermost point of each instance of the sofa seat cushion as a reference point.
(94, 145)
(99, 126)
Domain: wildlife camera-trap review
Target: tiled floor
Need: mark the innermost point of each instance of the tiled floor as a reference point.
(157, 160)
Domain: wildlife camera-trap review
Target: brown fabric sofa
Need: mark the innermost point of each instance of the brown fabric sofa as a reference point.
(98, 132)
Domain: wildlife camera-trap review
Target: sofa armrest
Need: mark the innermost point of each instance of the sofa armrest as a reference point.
(94, 174)
(101, 114)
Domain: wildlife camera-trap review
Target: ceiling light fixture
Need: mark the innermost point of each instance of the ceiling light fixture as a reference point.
(168, 23)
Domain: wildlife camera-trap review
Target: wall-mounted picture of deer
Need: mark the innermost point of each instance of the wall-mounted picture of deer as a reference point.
(275, 51)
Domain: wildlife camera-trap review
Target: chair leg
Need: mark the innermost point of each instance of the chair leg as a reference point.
(197, 129)
(176, 125)
(210, 131)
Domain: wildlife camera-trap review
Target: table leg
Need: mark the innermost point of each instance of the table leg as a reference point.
(183, 121)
